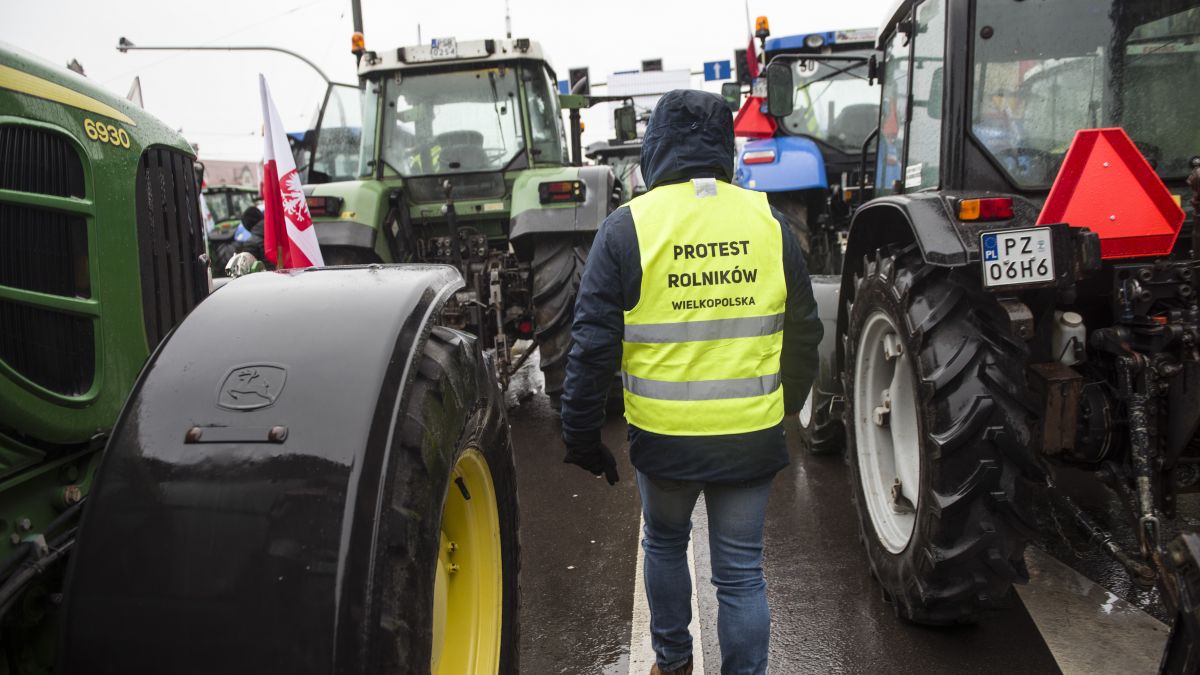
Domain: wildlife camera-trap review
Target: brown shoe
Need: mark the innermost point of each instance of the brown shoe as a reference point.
(685, 669)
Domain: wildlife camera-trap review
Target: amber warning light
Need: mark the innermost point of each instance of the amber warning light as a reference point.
(358, 43)
(1107, 186)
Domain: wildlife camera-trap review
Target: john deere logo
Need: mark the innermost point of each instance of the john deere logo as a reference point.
(251, 387)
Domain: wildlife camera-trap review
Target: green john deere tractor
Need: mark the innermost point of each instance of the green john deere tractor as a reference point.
(334, 491)
(455, 153)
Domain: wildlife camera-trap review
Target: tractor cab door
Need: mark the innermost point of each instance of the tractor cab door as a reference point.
(911, 112)
(335, 141)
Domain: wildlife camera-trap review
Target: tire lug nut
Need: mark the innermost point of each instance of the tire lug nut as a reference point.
(891, 346)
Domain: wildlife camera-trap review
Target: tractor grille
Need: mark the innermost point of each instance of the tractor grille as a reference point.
(43, 251)
(36, 160)
(170, 243)
(49, 348)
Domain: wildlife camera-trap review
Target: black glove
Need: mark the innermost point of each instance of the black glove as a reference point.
(594, 457)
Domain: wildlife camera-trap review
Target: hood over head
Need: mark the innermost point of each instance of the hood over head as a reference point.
(690, 134)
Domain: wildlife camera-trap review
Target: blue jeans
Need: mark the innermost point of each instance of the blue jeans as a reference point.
(735, 540)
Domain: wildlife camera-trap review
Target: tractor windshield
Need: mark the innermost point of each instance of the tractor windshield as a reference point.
(1044, 70)
(229, 204)
(452, 121)
(834, 102)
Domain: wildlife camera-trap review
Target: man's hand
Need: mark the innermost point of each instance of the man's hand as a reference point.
(594, 457)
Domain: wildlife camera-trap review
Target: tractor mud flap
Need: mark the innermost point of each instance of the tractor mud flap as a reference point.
(232, 526)
(827, 290)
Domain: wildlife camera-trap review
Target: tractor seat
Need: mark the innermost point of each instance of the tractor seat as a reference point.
(854, 124)
(461, 150)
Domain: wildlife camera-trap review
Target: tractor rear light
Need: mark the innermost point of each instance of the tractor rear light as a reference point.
(561, 191)
(759, 157)
(324, 206)
(995, 208)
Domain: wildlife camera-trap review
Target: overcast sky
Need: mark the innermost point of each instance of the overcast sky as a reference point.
(213, 96)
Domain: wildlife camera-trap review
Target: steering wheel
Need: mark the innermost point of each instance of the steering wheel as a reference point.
(1030, 162)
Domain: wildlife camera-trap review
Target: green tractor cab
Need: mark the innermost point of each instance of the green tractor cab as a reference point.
(456, 153)
(226, 204)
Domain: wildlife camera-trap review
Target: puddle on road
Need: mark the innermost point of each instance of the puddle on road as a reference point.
(1088, 628)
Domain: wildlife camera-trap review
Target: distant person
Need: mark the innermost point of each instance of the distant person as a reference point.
(251, 233)
(698, 292)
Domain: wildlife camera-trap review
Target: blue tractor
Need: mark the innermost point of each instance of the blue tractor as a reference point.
(810, 162)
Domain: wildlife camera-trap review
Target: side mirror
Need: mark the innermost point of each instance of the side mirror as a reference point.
(780, 90)
(933, 106)
(732, 93)
(625, 122)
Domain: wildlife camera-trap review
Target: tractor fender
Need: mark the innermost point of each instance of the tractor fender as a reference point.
(237, 506)
(927, 219)
(531, 217)
(798, 165)
(345, 233)
(922, 218)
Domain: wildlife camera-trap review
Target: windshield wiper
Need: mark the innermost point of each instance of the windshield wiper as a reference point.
(496, 109)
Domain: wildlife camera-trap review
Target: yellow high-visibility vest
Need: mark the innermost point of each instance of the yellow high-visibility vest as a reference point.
(701, 349)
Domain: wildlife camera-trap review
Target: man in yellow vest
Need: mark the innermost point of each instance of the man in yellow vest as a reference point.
(698, 292)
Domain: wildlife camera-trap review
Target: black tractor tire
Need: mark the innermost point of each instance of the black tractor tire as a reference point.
(971, 518)
(794, 207)
(448, 412)
(338, 256)
(821, 433)
(820, 253)
(558, 261)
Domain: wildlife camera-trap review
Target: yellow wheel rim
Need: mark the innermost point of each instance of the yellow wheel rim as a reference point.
(468, 588)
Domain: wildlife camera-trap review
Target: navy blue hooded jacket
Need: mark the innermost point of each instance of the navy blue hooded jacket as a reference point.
(690, 135)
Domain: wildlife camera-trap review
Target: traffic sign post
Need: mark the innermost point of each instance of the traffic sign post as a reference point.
(717, 70)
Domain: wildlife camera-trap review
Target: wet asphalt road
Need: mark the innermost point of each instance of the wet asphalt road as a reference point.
(580, 539)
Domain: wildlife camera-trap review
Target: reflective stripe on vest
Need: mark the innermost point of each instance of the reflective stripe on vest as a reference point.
(701, 348)
(701, 390)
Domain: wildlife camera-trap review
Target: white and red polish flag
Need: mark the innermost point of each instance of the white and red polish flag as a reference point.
(288, 226)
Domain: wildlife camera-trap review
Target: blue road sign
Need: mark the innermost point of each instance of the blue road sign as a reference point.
(716, 70)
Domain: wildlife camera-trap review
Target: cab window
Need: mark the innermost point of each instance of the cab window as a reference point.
(893, 116)
(925, 128)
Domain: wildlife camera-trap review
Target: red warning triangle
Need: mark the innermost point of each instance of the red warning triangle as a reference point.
(752, 122)
(1107, 186)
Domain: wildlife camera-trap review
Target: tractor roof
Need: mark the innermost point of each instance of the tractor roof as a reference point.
(895, 15)
(422, 57)
(822, 39)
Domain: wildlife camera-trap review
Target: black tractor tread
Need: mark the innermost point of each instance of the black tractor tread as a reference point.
(824, 434)
(558, 262)
(946, 503)
(447, 409)
(972, 522)
(967, 427)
